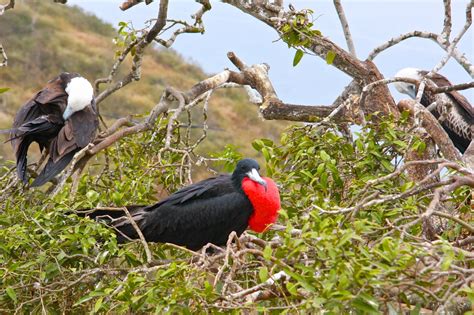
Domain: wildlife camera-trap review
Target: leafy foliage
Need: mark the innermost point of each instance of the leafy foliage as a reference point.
(298, 33)
(339, 261)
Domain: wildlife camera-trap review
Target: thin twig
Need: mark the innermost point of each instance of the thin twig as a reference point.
(149, 256)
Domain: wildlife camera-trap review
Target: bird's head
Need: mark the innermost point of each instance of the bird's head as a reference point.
(248, 168)
(405, 87)
(79, 90)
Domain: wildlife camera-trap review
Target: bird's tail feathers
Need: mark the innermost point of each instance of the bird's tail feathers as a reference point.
(52, 169)
(21, 160)
(117, 219)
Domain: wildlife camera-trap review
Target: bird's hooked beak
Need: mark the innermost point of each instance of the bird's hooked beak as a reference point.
(255, 176)
(67, 113)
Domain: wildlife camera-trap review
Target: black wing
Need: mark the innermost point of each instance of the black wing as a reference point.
(43, 127)
(38, 120)
(205, 212)
(208, 188)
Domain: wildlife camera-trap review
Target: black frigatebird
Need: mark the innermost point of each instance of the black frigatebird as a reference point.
(62, 118)
(458, 119)
(204, 212)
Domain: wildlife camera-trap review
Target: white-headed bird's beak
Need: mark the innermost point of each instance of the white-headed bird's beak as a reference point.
(255, 176)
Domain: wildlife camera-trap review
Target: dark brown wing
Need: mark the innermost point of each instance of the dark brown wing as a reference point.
(78, 131)
(84, 125)
(51, 100)
(442, 81)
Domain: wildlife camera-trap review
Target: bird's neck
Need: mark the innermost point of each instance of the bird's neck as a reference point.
(237, 181)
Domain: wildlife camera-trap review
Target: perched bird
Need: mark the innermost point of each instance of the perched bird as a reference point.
(457, 120)
(61, 118)
(204, 212)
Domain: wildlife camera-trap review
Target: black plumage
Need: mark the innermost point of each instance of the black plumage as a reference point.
(42, 120)
(204, 212)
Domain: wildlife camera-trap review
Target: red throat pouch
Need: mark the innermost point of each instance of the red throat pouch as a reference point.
(266, 203)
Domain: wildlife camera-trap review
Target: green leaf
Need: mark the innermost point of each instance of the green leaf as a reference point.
(11, 294)
(98, 305)
(366, 303)
(263, 274)
(324, 156)
(298, 55)
(3, 90)
(301, 281)
(330, 57)
(267, 252)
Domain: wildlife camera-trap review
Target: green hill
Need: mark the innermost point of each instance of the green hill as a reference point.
(43, 39)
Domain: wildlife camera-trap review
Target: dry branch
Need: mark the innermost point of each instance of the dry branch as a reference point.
(130, 3)
(456, 87)
(345, 27)
(456, 54)
(449, 51)
(447, 25)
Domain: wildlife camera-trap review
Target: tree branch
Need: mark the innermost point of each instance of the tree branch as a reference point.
(446, 33)
(131, 3)
(457, 87)
(456, 54)
(363, 72)
(345, 27)
(450, 51)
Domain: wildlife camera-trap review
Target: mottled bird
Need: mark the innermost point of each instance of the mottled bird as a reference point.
(457, 120)
(204, 212)
(61, 118)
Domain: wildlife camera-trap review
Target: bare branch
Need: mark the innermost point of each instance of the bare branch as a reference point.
(466, 225)
(456, 54)
(368, 88)
(130, 3)
(456, 40)
(363, 72)
(446, 33)
(140, 45)
(254, 291)
(450, 50)
(149, 256)
(396, 40)
(457, 87)
(345, 27)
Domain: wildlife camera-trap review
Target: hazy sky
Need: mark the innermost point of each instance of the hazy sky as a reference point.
(312, 81)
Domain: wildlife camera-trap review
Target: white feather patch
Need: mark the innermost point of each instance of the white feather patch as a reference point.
(410, 73)
(80, 94)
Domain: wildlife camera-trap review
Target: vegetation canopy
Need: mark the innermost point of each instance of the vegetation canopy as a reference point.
(376, 206)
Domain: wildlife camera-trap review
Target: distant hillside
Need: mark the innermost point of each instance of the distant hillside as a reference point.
(43, 39)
